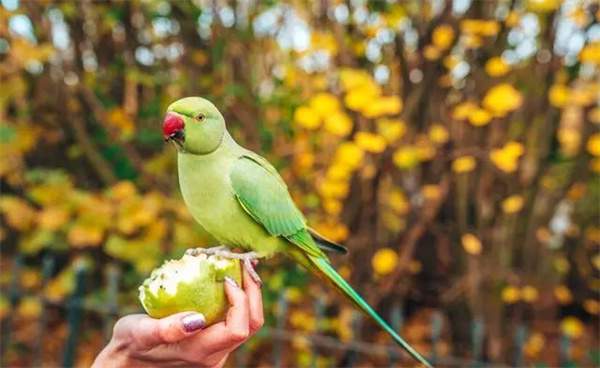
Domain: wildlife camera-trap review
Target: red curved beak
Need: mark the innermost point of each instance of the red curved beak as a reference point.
(173, 127)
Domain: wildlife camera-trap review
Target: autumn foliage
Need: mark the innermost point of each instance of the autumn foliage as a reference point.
(453, 147)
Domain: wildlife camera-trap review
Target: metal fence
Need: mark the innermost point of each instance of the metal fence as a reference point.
(76, 308)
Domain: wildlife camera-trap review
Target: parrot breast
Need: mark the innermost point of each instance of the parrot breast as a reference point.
(208, 194)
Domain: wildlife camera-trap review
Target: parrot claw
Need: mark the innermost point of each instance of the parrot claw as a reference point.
(249, 266)
(248, 259)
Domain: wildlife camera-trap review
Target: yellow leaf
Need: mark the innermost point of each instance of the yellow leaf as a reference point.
(324, 104)
(53, 218)
(463, 110)
(425, 149)
(595, 165)
(479, 27)
(362, 97)
(592, 306)
(496, 67)
(590, 53)
(572, 327)
(506, 158)
(304, 161)
(81, 235)
(479, 117)
(122, 190)
(338, 123)
(406, 157)
(30, 278)
(451, 61)
(442, 36)
(570, 140)
(307, 117)
(384, 261)
(438, 134)
(593, 145)
(391, 130)
(324, 41)
(431, 192)
(529, 294)
(381, 106)
(543, 6)
(349, 154)
(561, 265)
(534, 345)
(333, 189)
(303, 320)
(563, 294)
(464, 164)
(471, 41)
(332, 230)
(18, 214)
(512, 19)
(332, 206)
(338, 172)
(432, 53)
(558, 95)
(370, 142)
(512, 204)
(354, 78)
(594, 115)
(398, 202)
(471, 244)
(514, 148)
(29, 308)
(511, 294)
(121, 121)
(489, 28)
(502, 99)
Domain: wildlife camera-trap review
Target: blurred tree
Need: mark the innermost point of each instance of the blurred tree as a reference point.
(455, 144)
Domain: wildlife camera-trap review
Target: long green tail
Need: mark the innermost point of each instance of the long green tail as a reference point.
(331, 274)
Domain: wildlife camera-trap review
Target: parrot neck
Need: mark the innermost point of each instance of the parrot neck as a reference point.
(228, 144)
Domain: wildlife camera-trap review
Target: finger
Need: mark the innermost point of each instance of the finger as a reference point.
(227, 335)
(237, 320)
(255, 305)
(148, 332)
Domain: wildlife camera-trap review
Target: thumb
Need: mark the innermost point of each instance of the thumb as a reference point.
(149, 332)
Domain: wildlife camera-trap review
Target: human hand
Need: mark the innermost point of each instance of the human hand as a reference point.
(181, 340)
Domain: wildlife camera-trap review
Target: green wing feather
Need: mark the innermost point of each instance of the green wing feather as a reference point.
(264, 196)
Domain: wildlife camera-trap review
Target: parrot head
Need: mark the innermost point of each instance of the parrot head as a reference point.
(195, 125)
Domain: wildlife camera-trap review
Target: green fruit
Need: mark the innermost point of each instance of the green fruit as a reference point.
(192, 283)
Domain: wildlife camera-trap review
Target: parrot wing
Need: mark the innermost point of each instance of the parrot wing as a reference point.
(264, 196)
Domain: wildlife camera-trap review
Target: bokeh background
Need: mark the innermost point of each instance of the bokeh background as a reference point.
(453, 146)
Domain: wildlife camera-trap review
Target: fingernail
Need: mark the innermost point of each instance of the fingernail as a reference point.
(231, 282)
(193, 322)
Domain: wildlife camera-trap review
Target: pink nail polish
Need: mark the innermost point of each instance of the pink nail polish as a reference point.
(231, 282)
(193, 322)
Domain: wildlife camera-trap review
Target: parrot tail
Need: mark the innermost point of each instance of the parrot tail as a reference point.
(325, 269)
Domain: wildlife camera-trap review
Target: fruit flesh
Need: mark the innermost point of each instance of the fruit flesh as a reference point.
(192, 283)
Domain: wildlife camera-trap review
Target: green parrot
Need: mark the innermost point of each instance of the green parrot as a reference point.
(240, 199)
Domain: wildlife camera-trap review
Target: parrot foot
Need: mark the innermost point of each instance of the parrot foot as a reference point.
(247, 259)
(208, 251)
(249, 266)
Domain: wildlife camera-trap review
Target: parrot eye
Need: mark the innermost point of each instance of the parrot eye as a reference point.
(200, 117)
